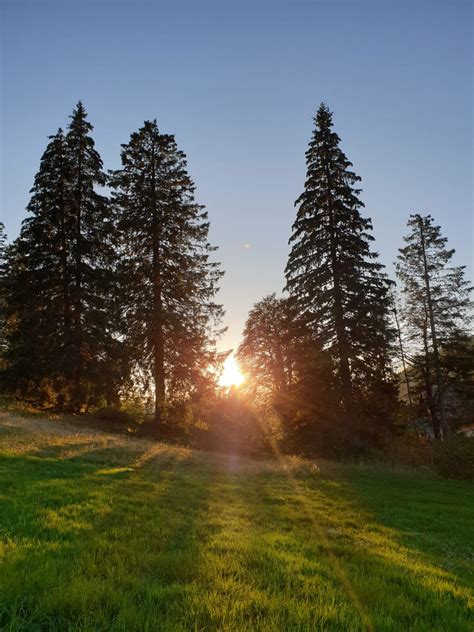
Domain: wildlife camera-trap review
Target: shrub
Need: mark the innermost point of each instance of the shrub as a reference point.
(125, 414)
(453, 457)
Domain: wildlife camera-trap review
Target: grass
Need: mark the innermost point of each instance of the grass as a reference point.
(101, 532)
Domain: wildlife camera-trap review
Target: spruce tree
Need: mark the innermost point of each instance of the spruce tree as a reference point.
(38, 301)
(64, 341)
(334, 277)
(436, 311)
(170, 282)
(95, 346)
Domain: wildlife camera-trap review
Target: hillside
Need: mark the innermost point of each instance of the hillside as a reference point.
(104, 532)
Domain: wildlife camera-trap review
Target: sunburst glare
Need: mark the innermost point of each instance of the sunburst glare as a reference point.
(231, 375)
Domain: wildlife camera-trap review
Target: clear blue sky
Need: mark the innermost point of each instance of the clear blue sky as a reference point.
(238, 83)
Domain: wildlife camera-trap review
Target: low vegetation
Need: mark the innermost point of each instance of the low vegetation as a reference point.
(104, 532)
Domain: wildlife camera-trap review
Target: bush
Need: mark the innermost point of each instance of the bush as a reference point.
(126, 414)
(453, 458)
(114, 415)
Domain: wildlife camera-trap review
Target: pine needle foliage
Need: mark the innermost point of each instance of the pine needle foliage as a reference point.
(334, 277)
(62, 345)
(169, 278)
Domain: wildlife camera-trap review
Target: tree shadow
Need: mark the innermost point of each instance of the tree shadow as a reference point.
(82, 541)
(332, 537)
(434, 516)
(161, 539)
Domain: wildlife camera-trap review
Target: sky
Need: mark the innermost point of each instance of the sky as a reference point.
(238, 84)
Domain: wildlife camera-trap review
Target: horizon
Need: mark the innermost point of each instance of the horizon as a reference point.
(245, 139)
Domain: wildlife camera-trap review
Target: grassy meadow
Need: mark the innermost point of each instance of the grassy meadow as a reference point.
(104, 532)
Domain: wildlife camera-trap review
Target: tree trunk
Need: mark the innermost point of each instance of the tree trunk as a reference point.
(402, 355)
(344, 367)
(159, 377)
(64, 272)
(342, 344)
(78, 394)
(158, 337)
(279, 375)
(430, 403)
(434, 341)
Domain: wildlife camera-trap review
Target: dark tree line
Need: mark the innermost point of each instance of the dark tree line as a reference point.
(331, 355)
(101, 290)
(110, 289)
(338, 293)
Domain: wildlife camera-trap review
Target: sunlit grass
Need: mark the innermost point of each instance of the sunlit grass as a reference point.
(100, 532)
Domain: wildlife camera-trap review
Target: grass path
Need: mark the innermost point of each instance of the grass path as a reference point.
(101, 532)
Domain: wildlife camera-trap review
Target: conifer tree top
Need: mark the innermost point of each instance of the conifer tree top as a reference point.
(323, 116)
(79, 119)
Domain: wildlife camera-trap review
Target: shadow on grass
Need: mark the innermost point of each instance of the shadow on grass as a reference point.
(335, 536)
(85, 544)
(432, 515)
(161, 540)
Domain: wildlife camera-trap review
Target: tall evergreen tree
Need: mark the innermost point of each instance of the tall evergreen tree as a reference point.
(59, 289)
(96, 354)
(334, 277)
(436, 310)
(38, 302)
(170, 282)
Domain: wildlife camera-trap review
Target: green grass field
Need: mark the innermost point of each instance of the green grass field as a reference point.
(101, 532)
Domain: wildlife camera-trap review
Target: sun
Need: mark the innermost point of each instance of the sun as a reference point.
(231, 375)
